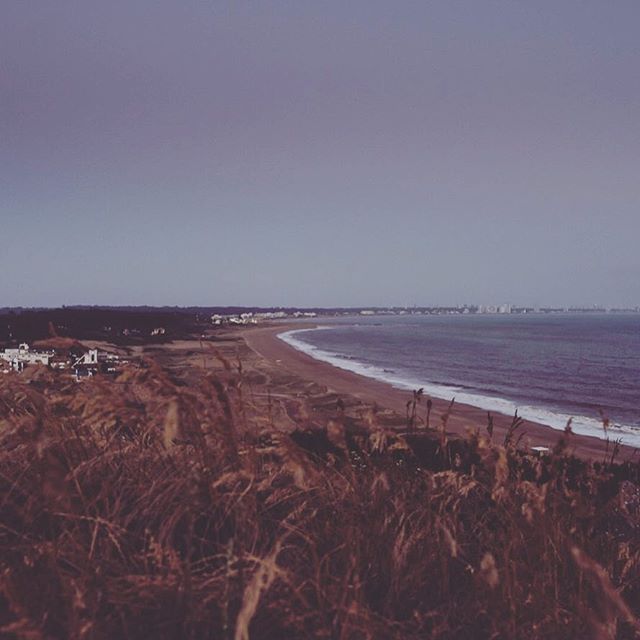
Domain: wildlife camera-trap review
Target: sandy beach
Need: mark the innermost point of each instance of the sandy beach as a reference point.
(281, 356)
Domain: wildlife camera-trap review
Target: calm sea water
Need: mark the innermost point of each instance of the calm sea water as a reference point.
(550, 368)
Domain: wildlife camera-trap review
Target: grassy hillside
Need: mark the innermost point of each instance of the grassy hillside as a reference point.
(148, 508)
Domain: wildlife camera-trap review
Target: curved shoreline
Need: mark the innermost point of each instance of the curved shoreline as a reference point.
(265, 343)
(554, 418)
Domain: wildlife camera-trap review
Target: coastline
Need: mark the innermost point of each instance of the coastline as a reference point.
(265, 343)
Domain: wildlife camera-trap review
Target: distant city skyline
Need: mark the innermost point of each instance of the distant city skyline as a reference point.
(473, 307)
(319, 154)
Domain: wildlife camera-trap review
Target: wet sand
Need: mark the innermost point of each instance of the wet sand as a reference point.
(276, 353)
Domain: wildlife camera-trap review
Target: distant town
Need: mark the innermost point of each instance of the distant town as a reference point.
(256, 317)
(75, 360)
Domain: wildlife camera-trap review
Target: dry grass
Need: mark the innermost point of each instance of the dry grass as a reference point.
(143, 508)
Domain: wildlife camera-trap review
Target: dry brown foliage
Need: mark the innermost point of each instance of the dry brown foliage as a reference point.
(145, 508)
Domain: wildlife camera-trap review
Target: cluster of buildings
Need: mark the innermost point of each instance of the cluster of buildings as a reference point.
(17, 359)
(254, 317)
(507, 308)
(79, 363)
(257, 317)
(440, 311)
(496, 308)
(499, 309)
(410, 311)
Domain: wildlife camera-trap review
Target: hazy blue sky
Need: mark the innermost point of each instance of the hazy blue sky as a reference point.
(319, 153)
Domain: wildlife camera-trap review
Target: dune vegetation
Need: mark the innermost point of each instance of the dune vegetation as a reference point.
(144, 507)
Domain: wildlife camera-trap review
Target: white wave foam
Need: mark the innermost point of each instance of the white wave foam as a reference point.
(582, 425)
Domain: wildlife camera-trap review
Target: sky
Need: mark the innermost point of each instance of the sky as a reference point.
(298, 153)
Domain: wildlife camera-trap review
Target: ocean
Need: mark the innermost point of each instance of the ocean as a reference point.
(549, 368)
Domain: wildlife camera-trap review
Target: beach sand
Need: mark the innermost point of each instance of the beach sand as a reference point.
(283, 358)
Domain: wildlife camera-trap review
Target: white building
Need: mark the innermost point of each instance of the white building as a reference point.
(495, 308)
(91, 357)
(22, 356)
(270, 315)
